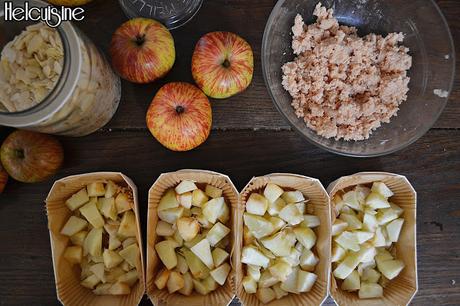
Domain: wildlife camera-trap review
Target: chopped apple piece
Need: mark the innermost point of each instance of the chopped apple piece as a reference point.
(191, 243)
(377, 201)
(128, 226)
(306, 236)
(249, 285)
(279, 243)
(168, 201)
(171, 215)
(311, 221)
(363, 236)
(379, 238)
(371, 275)
(129, 278)
(267, 279)
(290, 285)
(185, 186)
(308, 260)
(102, 289)
(79, 238)
(120, 289)
(277, 223)
(280, 270)
(293, 258)
(390, 268)
(394, 229)
(351, 199)
(386, 215)
(108, 208)
(370, 291)
(279, 293)
(399, 211)
(272, 192)
(188, 284)
(200, 287)
(338, 253)
(257, 225)
(131, 254)
(110, 189)
(347, 265)
(382, 189)
(77, 200)
(122, 203)
(90, 282)
(213, 192)
(99, 270)
(196, 266)
(187, 228)
(182, 266)
(217, 233)
(253, 272)
(112, 227)
(73, 226)
(274, 208)
(291, 214)
(210, 283)
(265, 295)
(162, 279)
(305, 281)
(257, 204)
(292, 197)
(252, 256)
(91, 213)
(96, 189)
(352, 282)
(93, 242)
(127, 242)
(213, 209)
(352, 221)
(199, 197)
(348, 241)
(164, 229)
(370, 223)
(219, 256)
(111, 259)
(125, 266)
(220, 274)
(175, 282)
(338, 227)
(248, 237)
(73, 254)
(185, 199)
(203, 251)
(165, 250)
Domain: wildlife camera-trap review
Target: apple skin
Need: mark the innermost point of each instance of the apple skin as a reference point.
(222, 64)
(142, 50)
(180, 116)
(31, 157)
(3, 178)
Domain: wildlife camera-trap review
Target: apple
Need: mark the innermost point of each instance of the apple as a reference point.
(142, 50)
(31, 157)
(180, 116)
(3, 178)
(222, 64)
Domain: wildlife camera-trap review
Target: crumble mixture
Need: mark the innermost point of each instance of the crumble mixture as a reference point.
(345, 86)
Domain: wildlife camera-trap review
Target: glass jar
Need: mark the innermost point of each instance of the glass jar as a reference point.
(86, 94)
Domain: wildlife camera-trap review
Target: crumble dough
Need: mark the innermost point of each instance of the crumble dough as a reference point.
(345, 86)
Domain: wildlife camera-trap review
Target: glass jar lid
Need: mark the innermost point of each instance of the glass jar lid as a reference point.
(172, 13)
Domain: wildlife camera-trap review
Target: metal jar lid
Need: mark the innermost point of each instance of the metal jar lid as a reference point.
(66, 84)
(172, 13)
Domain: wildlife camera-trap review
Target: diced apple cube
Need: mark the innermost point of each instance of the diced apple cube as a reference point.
(292, 197)
(252, 256)
(265, 295)
(275, 207)
(188, 284)
(338, 253)
(122, 203)
(93, 242)
(213, 209)
(129, 278)
(91, 213)
(128, 225)
(390, 268)
(382, 189)
(79, 238)
(132, 255)
(73, 254)
(279, 293)
(108, 208)
(219, 256)
(290, 285)
(386, 215)
(128, 241)
(162, 279)
(175, 282)
(347, 265)
(306, 236)
(257, 225)
(272, 192)
(217, 233)
(187, 228)
(171, 215)
(210, 283)
(291, 214)
(96, 189)
(348, 241)
(305, 281)
(196, 266)
(308, 260)
(394, 229)
(203, 251)
(77, 200)
(90, 282)
(257, 204)
(165, 250)
(73, 226)
(249, 285)
(164, 229)
(379, 238)
(280, 270)
(253, 272)
(311, 221)
(338, 227)
(110, 189)
(351, 199)
(111, 259)
(185, 186)
(377, 201)
(99, 270)
(370, 223)
(363, 236)
(220, 273)
(200, 287)
(168, 200)
(199, 197)
(279, 243)
(277, 223)
(371, 275)
(267, 279)
(294, 257)
(352, 221)
(352, 282)
(370, 291)
(213, 192)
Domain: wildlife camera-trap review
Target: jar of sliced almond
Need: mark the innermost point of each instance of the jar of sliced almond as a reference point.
(54, 80)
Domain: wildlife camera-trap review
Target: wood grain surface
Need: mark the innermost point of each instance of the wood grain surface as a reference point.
(250, 138)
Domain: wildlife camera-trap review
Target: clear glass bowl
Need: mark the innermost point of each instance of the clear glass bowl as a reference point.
(431, 46)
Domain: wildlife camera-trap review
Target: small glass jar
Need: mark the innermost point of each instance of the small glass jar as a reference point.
(87, 92)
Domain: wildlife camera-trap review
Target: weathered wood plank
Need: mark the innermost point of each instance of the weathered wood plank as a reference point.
(432, 165)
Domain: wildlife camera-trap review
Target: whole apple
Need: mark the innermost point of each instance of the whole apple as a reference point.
(142, 50)
(180, 116)
(31, 157)
(3, 178)
(222, 64)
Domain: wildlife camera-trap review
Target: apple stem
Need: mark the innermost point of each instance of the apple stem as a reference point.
(226, 63)
(180, 109)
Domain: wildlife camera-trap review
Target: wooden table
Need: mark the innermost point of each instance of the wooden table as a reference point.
(249, 138)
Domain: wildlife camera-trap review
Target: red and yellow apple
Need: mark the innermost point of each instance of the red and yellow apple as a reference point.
(180, 116)
(31, 157)
(222, 64)
(3, 178)
(142, 50)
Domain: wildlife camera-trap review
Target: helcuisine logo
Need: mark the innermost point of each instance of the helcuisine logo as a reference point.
(52, 16)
